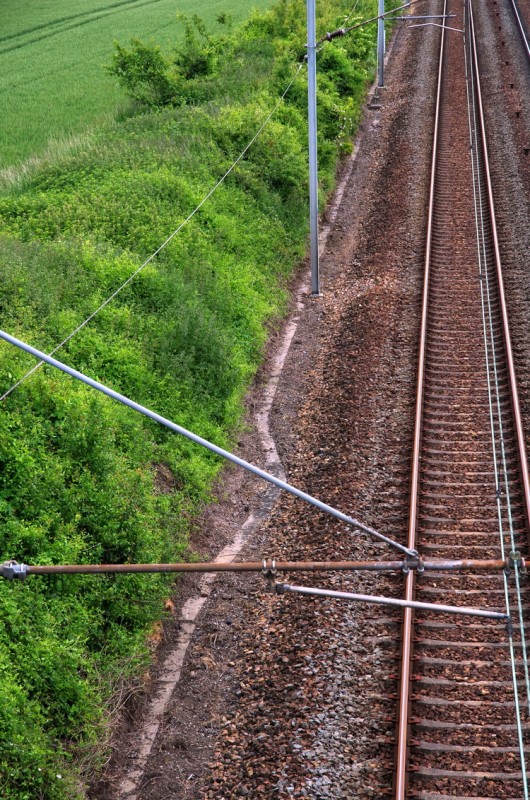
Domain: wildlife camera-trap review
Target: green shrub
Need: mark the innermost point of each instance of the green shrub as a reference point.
(144, 73)
(197, 55)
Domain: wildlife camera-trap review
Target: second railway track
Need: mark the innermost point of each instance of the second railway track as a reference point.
(463, 720)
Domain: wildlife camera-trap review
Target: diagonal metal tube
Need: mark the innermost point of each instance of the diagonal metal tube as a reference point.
(393, 601)
(100, 387)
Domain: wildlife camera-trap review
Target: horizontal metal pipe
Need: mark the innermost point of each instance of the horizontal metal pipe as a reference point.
(493, 565)
(391, 601)
(100, 387)
(448, 565)
(252, 566)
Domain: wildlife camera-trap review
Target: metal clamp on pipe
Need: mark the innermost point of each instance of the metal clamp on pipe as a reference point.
(413, 562)
(269, 573)
(12, 569)
(513, 560)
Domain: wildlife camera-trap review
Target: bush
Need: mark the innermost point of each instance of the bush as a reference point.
(144, 73)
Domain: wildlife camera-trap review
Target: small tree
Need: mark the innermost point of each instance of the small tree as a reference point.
(145, 73)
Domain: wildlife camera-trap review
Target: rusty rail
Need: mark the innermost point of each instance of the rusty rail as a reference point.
(406, 653)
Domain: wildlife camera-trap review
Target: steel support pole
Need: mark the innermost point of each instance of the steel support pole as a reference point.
(392, 601)
(313, 156)
(381, 46)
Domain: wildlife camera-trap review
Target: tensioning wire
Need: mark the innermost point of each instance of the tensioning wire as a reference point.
(198, 207)
(166, 242)
(350, 15)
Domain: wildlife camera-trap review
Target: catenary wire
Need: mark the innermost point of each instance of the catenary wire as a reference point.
(500, 461)
(502, 458)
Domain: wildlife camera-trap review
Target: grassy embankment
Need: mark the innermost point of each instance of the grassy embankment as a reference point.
(79, 476)
(52, 85)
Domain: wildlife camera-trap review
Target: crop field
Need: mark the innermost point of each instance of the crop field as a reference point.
(53, 84)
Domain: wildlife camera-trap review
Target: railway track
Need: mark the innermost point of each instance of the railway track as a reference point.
(463, 721)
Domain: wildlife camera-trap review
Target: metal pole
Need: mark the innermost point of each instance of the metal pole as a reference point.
(100, 387)
(392, 601)
(381, 46)
(313, 156)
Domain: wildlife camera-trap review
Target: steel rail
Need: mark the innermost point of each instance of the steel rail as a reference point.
(516, 408)
(401, 778)
(400, 786)
(12, 569)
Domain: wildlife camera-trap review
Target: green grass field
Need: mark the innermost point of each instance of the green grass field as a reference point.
(52, 82)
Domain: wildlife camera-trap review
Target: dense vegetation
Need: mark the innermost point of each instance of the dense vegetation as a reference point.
(83, 479)
(52, 85)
